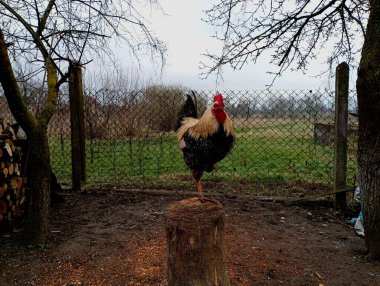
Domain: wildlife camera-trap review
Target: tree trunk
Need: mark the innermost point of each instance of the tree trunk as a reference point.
(38, 173)
(195, 237)
(35, 127)
(368, 91)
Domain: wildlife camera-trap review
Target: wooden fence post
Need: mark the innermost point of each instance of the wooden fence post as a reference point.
(340, 142)
(195, 241)
(78, 154)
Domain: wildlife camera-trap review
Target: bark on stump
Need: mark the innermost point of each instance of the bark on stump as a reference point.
(195, 241)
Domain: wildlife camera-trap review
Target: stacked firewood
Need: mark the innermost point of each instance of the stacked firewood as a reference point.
(12, 191)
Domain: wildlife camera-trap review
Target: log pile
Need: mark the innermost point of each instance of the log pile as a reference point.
(12, 191)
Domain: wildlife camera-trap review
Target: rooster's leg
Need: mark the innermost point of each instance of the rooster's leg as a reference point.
(200, 191)
(199, 188)
(201, 195)
(197, 175)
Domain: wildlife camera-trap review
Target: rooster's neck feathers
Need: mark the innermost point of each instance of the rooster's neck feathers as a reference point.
(203, 127)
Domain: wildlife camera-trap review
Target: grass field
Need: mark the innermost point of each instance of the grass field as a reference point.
(271, 152)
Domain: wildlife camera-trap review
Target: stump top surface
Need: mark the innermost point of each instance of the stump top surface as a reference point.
(193, 206)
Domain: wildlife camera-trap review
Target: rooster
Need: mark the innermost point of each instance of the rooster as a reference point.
(204, 141)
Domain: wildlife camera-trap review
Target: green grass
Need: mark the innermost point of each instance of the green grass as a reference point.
(278, 152)
(299, 127)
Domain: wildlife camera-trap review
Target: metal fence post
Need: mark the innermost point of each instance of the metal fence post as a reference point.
(340, 142)
(78, 154)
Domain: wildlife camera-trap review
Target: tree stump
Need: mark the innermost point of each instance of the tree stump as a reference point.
(195, 241)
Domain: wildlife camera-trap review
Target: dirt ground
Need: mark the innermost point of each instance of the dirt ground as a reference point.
(118, 238)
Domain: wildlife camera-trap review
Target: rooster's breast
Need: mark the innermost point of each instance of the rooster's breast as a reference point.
(202, 152)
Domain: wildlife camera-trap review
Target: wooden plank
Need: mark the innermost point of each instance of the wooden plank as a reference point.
(78, 161)
(340, 139)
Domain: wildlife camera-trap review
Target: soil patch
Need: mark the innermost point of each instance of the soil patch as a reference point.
(118, 238)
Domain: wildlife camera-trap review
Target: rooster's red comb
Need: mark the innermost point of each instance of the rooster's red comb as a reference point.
(219, 98)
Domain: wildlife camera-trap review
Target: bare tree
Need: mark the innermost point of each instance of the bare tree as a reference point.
(50, 36)
(294, 33)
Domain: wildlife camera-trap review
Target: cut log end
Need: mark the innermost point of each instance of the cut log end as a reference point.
(195, 206)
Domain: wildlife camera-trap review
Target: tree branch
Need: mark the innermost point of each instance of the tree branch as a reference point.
(28, 27)
(12, 90)
(43, 20)
(291, 30)
(50, 103)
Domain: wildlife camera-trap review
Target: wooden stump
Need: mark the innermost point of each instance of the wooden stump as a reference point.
(195, 237)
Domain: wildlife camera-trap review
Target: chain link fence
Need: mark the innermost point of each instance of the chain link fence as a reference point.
(282, 136)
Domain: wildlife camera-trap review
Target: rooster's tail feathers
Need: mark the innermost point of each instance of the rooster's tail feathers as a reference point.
(189, 109)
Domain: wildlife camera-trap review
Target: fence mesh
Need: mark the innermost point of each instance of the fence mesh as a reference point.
(282, 136)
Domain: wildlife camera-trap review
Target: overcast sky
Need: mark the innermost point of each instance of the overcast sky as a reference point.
(187, 37)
